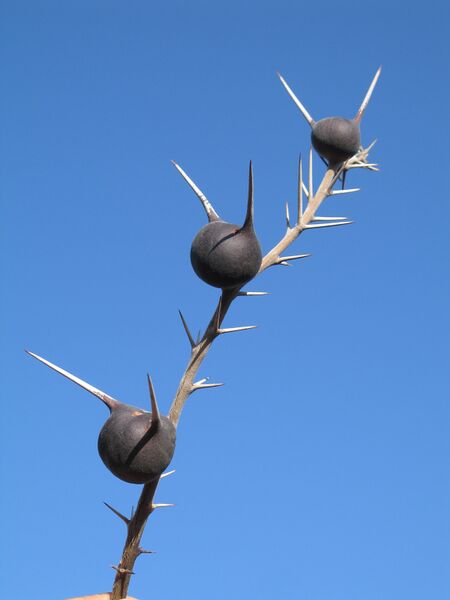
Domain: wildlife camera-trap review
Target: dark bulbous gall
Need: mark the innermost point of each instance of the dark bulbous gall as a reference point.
(134, 449)
(135, 445)
(336, 139)
(225, 255)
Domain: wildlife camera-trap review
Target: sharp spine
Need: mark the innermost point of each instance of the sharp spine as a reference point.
(209, 209)
(186, 329)
(300, 106)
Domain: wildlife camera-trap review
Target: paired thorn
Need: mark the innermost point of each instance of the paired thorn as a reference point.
(347, 191)
(156, 419)
(210, 212)
(248, 223)
(330, 219)
(300, 191)
(143, 551)
(108, 400)
(201, 384)
(288, 219)
(186, 329)
(125, 519)
(253, 293)
(282, 260)
(320, 225)
(300, 106)
(310, 176)
(161, 505)
(369, 93)
(233, 329)
(167, 474)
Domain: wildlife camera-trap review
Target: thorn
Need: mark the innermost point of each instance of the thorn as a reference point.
(253, 293)
(310, 176)
(218, 311)
(320, 225)
(154, 506)
(233, 329)
(186, 329)
(288, 221)
(347, 191)
(122, 571)
(125, 519)
(248, 223)
(305, 190)
(284, 264)
(199, 385)
(300, 106)
(156, 419)
(365, 102)
(329, 218)
(283, 259)
(167, 474)
(210, 212)
(142, 551)
(108, 400)
(300, 191)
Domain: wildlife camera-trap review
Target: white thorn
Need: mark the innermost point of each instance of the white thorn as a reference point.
(365, 102)
(252, 293)
(340, 192)
(310, 176)
(305, 189)
(300, 192)
(233, 329)
(320, 225)
(300, 106)
(288, 220)
(203, 386)
(330, 218)
(167, 474)
(210, 212)
(161, 505)
(108, 400)
(282, 259)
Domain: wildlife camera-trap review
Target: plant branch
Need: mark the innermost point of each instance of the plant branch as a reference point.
(200, 349)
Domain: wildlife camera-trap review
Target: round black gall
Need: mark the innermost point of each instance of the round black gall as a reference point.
(225, 255)
(132, 449)
(336, 139)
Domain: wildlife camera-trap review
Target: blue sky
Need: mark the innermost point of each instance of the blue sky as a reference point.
(345, 494)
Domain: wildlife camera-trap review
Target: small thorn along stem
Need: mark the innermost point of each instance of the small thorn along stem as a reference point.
(288, 220)
(125, 519)
(300, 191)
(167, 474)
(209, 209)
(186, 329)
(252, 293)
(342, 192)
(310, 175)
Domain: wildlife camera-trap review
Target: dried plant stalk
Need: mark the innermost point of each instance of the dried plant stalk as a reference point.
(305, 220)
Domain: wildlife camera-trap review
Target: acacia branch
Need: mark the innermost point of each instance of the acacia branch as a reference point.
(200, 349)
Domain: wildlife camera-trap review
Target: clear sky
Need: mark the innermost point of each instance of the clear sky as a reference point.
(320, 471)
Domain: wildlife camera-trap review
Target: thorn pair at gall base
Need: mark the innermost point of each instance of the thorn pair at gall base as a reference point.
(334, 138)
(135, 445)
